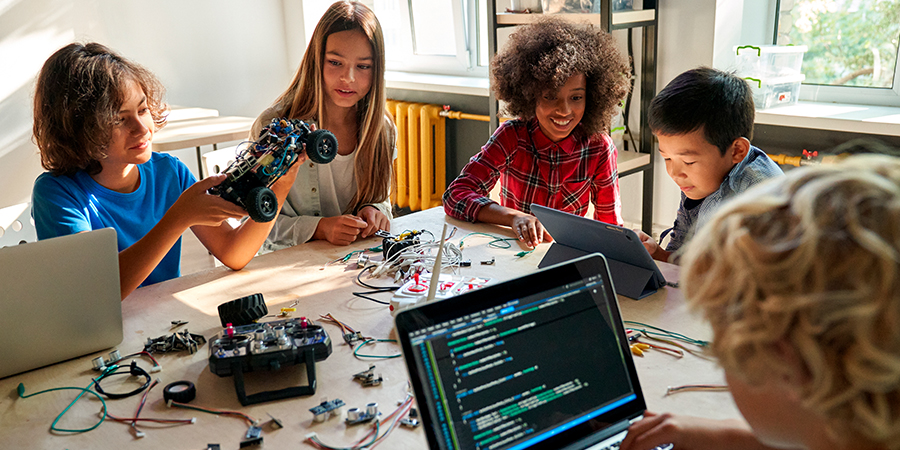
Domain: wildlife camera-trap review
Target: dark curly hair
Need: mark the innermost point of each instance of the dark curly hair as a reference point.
(543, 55)
(77, 98)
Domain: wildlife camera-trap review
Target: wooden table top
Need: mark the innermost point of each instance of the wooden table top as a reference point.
(300, 274)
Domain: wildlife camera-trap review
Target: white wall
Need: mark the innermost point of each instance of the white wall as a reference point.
(229, 55)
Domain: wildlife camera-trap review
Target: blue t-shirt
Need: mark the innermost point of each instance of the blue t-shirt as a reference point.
(63, 205)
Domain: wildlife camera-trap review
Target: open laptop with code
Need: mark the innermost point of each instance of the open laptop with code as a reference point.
(538, 362)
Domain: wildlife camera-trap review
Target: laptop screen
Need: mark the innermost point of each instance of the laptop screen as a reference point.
(536, 362)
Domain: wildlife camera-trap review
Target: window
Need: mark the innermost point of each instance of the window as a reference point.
(432, 36)
(425, 36)
(853, 48)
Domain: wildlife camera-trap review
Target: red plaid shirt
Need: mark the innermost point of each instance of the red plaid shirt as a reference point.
(565, 175)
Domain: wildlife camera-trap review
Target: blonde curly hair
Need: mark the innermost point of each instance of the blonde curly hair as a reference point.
(811, 260)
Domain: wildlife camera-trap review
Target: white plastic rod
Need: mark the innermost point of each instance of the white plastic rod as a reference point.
(436, 270)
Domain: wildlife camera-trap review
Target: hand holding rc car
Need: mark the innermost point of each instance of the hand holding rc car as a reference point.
(259, 165)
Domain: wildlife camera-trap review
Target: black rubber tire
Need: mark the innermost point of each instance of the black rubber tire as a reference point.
(180, 391)
(262, 204)
(243, 311)
(321, 147)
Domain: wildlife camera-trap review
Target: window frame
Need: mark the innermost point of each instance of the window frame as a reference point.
(466, 38)
(845, 94)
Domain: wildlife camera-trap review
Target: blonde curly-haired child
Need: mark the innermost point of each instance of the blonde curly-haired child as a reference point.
(800, 280)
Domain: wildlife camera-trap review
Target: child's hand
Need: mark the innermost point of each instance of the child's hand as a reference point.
(689, 433)
(653, 248)
(195, 206)
(375, 220)
(340, 230)
(529, 230)
(648, 241)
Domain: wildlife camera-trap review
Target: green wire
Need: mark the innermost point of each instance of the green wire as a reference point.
(87, 390)
(368, 341)
(665, 333)
(350, 255)
(497, 242)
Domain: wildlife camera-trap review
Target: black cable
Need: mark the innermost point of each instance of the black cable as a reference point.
(133, 370)
(374, 288)
(363, 295)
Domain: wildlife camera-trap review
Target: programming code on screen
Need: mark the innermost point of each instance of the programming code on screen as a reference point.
(523, 371)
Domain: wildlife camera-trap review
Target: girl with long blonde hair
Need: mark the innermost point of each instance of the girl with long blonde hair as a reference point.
(340, 87)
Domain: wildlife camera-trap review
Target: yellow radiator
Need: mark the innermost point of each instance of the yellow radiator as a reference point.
(421, 164)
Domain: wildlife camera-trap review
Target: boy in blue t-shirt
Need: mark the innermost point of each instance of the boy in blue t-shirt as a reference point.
(94, 119)
(703, 120)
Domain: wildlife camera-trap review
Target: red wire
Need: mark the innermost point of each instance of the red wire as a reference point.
(141, 404)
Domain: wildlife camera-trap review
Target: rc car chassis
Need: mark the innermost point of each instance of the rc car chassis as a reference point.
(261, 163)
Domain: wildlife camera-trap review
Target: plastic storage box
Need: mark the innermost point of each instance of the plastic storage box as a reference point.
(775, 91)
(767, 61)
(570, 6)
(585, 6)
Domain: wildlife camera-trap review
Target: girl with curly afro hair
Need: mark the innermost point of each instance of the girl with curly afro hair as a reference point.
(563, 82)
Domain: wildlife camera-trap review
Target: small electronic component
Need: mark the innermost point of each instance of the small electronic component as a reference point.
(352, 337)
(489, 262)
(275, 423)
(356, 416)
(326, 409)
(367, 377)
(100, 364)
(416, 289)
(253, 437)
(408, 422)
(253, 432)
(251, 442)
(179, 341)
(362, 261)
(213, 447)
(286, 311)
(391, 245)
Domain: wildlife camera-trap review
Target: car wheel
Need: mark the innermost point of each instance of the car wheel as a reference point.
(321, 147)
(262, 204)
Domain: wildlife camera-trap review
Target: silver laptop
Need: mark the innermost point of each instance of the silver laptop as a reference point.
(59, 299)
(538, 362)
